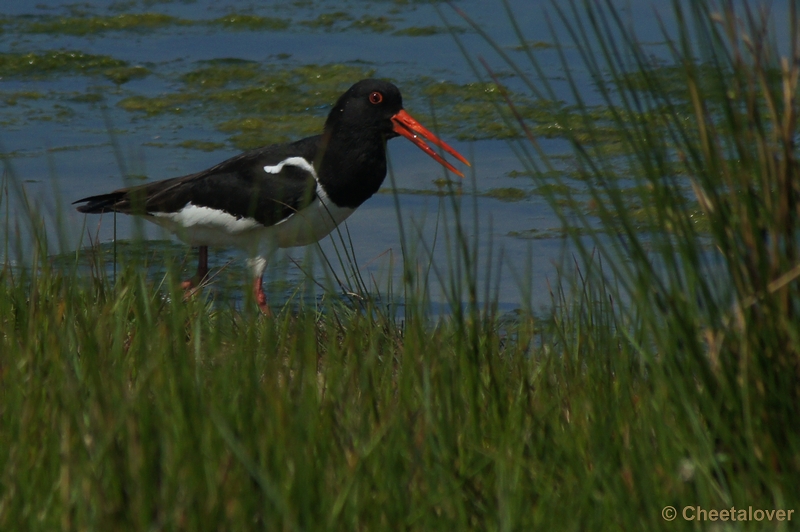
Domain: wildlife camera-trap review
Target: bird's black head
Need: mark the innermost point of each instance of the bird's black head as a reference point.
(354, 140)
(369, 105)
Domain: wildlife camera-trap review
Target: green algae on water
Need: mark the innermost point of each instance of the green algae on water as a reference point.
(251, 132)
(532, 45)
(17, 97)
(327, 20)
(170, 103)
(373, 24)
(254, 105)
(425, 31)
(98, 24)
(506, 194)
(252, 23)
(124, 74)
(555, 189)
(201, 145)
(38, 65)
(221, 73)
(94, 25)
(547, 234)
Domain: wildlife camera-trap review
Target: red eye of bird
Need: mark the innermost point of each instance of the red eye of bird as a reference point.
(375, 97)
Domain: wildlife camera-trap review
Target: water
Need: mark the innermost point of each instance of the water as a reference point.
(70, 133)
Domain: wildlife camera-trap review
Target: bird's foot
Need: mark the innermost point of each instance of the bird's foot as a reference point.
(192, 286)
(261, 297)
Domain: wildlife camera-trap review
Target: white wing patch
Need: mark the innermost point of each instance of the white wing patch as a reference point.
(303, 164)
(299, 162)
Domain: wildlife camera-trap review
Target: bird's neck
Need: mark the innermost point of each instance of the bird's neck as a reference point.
(352, 165)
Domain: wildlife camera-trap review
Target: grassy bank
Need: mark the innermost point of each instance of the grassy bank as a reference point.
(665, 375)
(123, 409)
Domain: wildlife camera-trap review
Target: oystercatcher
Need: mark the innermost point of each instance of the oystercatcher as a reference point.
(283, 195)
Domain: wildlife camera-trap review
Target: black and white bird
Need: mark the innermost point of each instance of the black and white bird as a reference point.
(283, 195)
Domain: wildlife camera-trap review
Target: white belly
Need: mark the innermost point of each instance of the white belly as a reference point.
(310, 224)
(203, 226)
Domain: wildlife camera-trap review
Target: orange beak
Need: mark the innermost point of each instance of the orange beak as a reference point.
(406, 126)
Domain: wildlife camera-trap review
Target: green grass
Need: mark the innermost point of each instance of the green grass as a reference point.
(664, 374)
(693, 215)
(123, 409)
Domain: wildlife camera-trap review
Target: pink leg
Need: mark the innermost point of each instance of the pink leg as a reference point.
(202, 270)
(261, 297)
(257, 265)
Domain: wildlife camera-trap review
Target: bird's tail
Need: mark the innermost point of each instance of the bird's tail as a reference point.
(110, 202)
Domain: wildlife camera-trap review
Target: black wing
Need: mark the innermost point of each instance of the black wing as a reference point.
(238, 186)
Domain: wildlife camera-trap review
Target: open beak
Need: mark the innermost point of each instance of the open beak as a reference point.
(406, 126)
